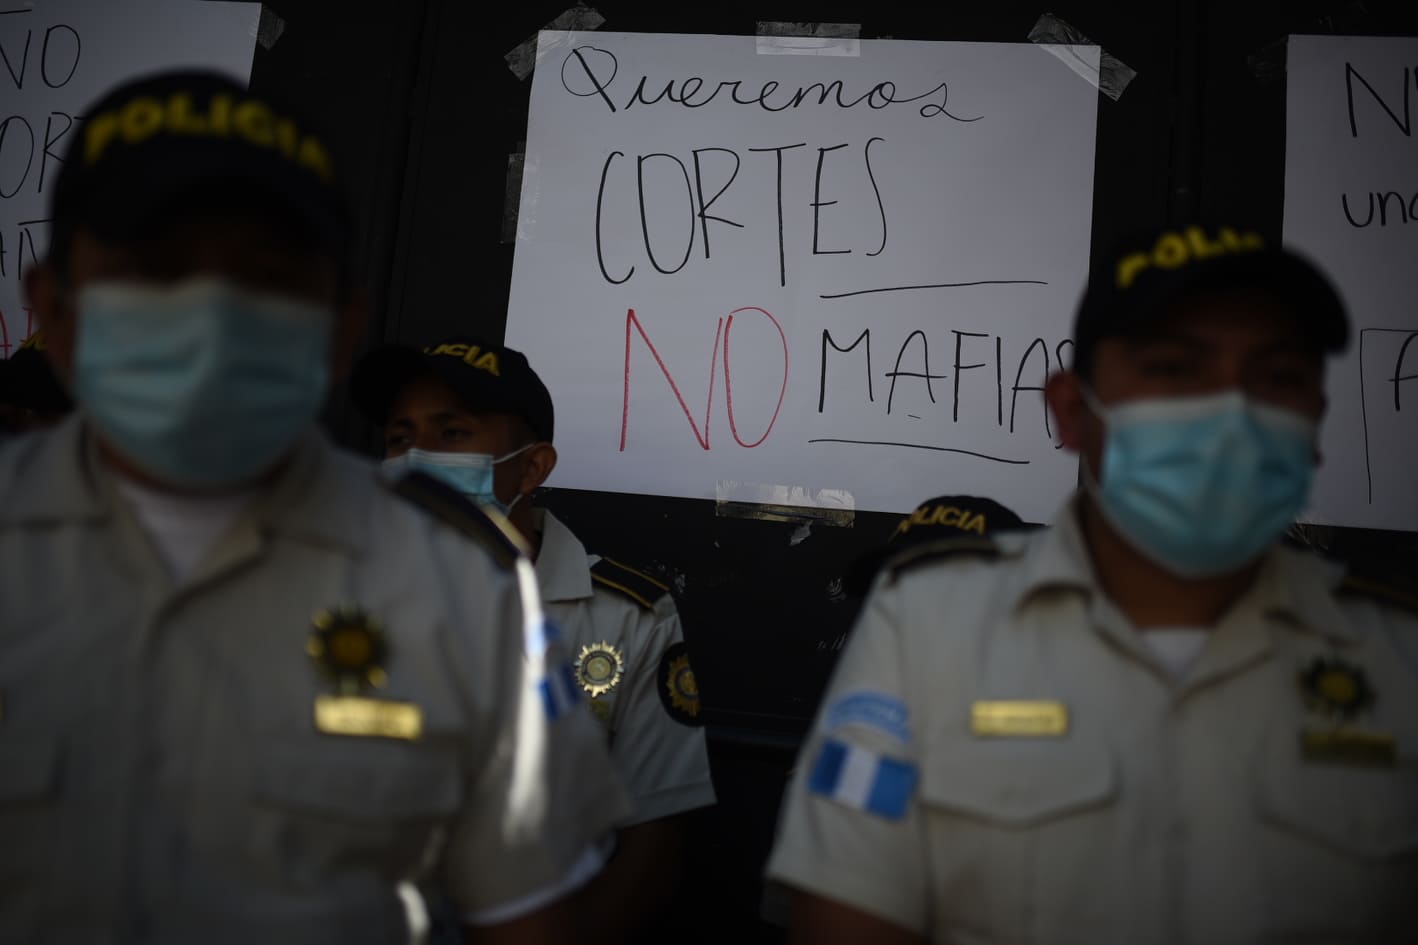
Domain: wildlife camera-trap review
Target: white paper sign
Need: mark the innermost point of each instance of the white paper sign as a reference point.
(56, 58)
(1351, 204)
(804, 276)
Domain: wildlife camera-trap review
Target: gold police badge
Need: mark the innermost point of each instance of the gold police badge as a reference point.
(1335, 689)
(349, 648)
(1340, 693)
(599, 668)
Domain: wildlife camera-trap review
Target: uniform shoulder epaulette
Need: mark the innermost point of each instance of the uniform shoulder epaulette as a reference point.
(1380, 590)
(489, 529)
(628, 582)
(969, 546)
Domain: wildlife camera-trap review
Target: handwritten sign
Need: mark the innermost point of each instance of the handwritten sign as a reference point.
(809, 280)
(1351, 204)
(56, 58)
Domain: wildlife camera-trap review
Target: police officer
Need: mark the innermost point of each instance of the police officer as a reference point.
(478, 416)
(1151, 722)
(954, 519)
(247, 694)
(946, 518)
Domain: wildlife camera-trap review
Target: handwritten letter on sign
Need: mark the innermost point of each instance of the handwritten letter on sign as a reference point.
(1351, 204)
(56, 58)
(810, 275)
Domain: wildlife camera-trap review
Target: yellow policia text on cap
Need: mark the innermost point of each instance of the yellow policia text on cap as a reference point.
(471, 355)
(1175, 250)
(949, 515)
(251, 120)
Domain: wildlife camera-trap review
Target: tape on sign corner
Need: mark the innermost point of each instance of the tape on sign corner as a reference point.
(796, 504)
(524, 58)
(1267, 64)
(516, 167)
(268, 28)
(1058, 37)
(808, 39)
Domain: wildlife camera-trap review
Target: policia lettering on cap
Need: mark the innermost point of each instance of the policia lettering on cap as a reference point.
(251, 692)
(1153, 722)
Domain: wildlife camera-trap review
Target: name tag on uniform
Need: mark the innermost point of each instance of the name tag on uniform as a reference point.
(1019, 719)
(368, 718)
(1347, 746)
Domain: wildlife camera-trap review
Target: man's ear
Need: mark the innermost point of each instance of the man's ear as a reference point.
(1064, 394)
(351, 323)
(537, 465)
(56, 316)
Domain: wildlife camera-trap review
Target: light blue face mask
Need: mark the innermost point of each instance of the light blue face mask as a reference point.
(469, 473)
(1202, 485)
(203, 384)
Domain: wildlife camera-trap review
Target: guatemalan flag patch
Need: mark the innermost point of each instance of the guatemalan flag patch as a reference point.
(862, 779)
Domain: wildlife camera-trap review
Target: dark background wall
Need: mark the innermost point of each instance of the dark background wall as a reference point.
(425, 113)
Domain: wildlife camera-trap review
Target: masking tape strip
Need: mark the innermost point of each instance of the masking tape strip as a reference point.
(269, 28)
(524, 58)
(1057, 37)
(798, 504)
(808, 39)
(1267, 64)
(516, 164)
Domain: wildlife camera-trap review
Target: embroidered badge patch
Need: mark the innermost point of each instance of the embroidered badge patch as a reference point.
(679, 690)
(872, 709)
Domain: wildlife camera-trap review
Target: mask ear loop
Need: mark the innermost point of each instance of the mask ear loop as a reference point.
(1091, 482)
(517, 452)
(504, 458)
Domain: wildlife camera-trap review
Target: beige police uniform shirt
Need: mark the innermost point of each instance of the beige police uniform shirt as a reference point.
(162, 775)
(1168, 811)
(662, 761)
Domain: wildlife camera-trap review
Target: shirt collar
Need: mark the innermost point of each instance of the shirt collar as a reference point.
(321, 495)
(61, 475)
(1299, 587)
(316, 496)
(1296, 586)
(563, 570)
(1056, 558)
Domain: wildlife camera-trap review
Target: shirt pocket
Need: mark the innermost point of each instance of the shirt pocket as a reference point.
(364, 804)
(1012, 825)
(29, 816)
(1340, 843)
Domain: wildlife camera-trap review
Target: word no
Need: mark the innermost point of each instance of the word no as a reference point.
(49, 58)
(723, 329)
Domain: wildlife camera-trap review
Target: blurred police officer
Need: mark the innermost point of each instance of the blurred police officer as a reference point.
(477, 416)
(249, 695)
(1151, 722)
(948, 520)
